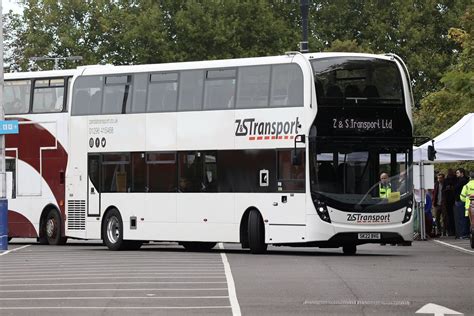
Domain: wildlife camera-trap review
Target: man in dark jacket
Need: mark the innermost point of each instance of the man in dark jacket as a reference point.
(449, 184)
(462, 222)
(438, 205)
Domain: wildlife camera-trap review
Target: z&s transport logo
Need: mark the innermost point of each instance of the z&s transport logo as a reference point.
(256, 130)
(368, 218)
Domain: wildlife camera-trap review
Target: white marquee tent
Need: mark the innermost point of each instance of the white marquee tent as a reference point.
(454, 144)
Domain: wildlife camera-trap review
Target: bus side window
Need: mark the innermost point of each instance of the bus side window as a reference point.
(287, 86)
(291, 177)
(17, 96)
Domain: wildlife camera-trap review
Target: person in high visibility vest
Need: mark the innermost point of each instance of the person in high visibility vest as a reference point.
(384, 186)
(466, 192)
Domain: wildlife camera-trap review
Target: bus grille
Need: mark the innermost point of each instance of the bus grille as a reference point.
(76, 218)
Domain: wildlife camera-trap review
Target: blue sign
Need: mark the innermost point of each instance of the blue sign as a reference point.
(8, 127)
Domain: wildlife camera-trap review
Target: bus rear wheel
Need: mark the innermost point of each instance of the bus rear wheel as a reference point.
(51, 229)
(349, 249)
(113, 231)
(256, 233)
(198, 246)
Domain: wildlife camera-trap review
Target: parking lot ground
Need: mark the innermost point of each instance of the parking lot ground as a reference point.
(85, 278)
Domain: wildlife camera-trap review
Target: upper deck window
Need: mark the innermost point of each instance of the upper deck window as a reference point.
(287, 86)
(190, 90)
(253, 87)
(48, 95)
(219, 89)
(87, 98)
(356, 80)
(163, 92)
(117, 94)
(17, 96)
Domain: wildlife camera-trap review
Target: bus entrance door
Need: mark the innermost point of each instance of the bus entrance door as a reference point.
(93, 186)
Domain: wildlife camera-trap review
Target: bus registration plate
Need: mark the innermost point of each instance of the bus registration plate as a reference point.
(369, 235)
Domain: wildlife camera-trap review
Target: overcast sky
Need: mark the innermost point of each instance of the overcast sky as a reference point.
(8, 5)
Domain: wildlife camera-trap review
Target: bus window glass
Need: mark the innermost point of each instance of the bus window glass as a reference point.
(116, 94)
(162, 92)
(87, 95)
(191, 85)
(352, 177)
(239, 170)
(161, 172)
(94, 170)
(48, 95)
(138, 172)
(140, 82)
(253, 87)
(116, 175)
(190, 172)
(16, 96)
(291, 177)
(219, 89)
(345, 81)
(287, 86)
(210, 172)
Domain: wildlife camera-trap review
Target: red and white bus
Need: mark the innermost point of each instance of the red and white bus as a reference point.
(36, 157)
(283, 150)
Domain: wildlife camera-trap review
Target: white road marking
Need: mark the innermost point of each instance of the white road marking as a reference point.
(437, 310)
(16, 249)
(114, 289)
(454, 247)
(118, 277)
(110, 283)
(116, 307)
(96, 275)
(234, 302)
(107, 298)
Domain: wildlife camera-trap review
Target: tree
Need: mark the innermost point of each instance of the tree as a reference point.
(441, 109)
(230, 29)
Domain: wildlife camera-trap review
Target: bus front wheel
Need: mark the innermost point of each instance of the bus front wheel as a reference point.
(256, 233)
(113, 230)
(349, 249)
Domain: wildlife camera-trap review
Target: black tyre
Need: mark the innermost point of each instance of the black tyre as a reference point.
(112, 231)
(198, 246)
(256, 231)
(349, 249)
(51, 229)
(471, 237)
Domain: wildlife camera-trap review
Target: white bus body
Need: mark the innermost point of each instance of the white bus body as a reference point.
(152, 161)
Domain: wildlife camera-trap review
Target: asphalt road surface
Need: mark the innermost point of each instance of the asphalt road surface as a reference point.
(164, 279)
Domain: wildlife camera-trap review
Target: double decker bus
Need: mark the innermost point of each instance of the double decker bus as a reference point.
(36, 157)
(283, 150)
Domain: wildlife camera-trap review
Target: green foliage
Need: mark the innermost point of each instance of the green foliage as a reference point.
(441, 109)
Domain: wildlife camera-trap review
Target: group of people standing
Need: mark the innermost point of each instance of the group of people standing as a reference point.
(450, 202)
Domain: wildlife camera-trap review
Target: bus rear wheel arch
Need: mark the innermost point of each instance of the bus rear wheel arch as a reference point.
(51, 227)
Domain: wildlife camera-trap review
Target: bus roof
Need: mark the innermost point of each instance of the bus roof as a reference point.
(40, 74)
(281, 59)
